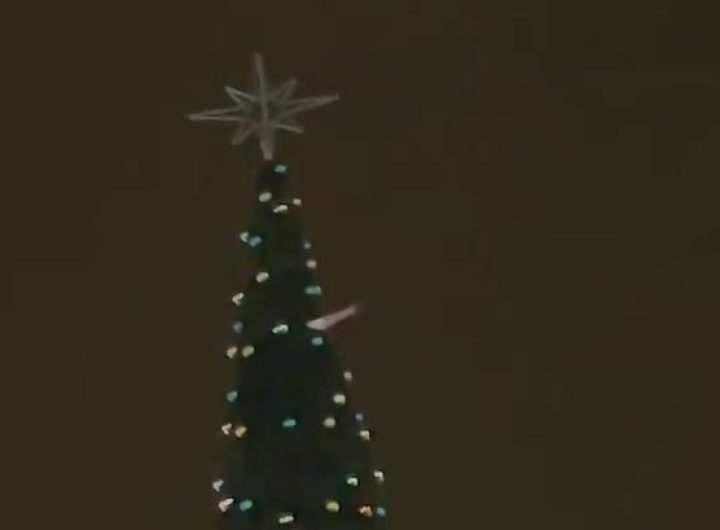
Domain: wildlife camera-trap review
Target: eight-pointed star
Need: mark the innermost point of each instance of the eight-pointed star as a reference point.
(262, 110)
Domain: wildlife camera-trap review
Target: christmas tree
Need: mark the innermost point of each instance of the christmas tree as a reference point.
(298, 450)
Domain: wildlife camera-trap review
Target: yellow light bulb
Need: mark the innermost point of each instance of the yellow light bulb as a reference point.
(240, 431)
(365, 510)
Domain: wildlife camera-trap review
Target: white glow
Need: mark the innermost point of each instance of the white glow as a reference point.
(237, 299)
(225, 504)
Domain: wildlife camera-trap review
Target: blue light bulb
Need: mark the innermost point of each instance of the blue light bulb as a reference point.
(313, 290)
(289, 423)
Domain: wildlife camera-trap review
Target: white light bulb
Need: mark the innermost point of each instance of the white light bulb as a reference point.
(226, 428)
(329, 422)
(311, 264)
(238, 298)
(297, 202)
(280, 208)
(262, 276)
(265, 196)
(217, 484)
(332, 505)
(379, 475)
(224, 504)
(280, 329)
(248, 350)
(286, 518)
(339, 399)
(231, 351)
(365, 434)
(347, 375)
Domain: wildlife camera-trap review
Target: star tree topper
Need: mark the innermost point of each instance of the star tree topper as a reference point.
(262, 110)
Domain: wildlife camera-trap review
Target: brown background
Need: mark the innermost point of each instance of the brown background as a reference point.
(523, 193)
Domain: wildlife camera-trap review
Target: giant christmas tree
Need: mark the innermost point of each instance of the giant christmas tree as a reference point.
(298, 450)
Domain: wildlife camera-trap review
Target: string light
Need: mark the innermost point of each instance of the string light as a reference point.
(379, 476)
(225, 504)
(359, 416)
(265, 196)
(237, 327)
(232, 396)
(280, 329)
(280, 208)
(289, 423)
(332, 505)
(297, 202)
(217, 484)
(329, 422)
(380, 511)
(253, 240)
(245, 505)
(262, 276)
(317, 341)
(226, 428)
(231, 351)
(240, 431)
(286, 518)
(351, 480)
(280, 168)
(347, 375)
(248, 350)
(364, 434)
(311, 264)
(339, 398)
(365, 510)
(307, 245)
(313, 290)
(238, 298)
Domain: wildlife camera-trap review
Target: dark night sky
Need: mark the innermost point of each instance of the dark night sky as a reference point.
(524, 195)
